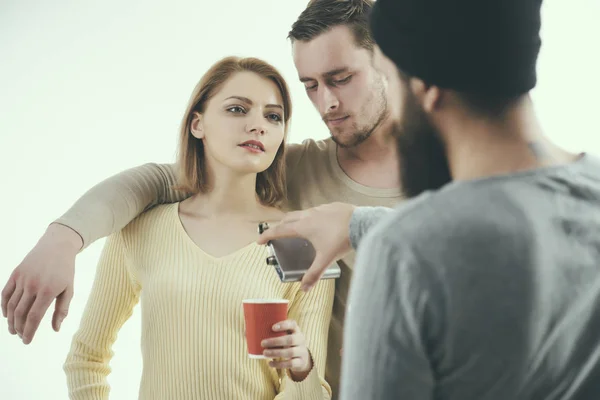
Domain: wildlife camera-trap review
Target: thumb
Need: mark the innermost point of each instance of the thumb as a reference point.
(316, 271)
(61, 309)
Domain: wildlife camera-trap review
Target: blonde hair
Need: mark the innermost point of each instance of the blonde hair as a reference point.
(270, 184)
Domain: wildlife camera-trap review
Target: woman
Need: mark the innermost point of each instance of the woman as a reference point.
(192, 263)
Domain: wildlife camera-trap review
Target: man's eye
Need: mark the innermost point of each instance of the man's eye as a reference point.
(311, 87)
(342, 81)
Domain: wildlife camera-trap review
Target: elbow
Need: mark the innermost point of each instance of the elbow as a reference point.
(83, 357)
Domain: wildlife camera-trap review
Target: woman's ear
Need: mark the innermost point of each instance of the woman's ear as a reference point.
(197, 127)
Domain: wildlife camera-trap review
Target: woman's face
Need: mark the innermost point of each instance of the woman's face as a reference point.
(242, 125)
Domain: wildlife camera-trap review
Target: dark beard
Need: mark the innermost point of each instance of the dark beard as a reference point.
(422, 155)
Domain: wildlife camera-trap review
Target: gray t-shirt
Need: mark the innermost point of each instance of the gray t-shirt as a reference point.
(483, 290)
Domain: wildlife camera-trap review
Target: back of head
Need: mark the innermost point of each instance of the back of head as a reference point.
(485, 50)
(270, 184)
(322, 15)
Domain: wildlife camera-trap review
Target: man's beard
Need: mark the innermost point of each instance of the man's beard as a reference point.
(361, 133)
(357, 138)
(422, 155)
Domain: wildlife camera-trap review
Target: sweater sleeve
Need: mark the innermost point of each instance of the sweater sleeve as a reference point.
(312, 313)
(114, 295)
(363, 219)
(111, 204)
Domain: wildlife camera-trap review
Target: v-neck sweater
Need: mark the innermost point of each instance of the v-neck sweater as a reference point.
(193, 342)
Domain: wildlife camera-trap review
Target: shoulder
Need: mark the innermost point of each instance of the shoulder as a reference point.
(307, 150)
(443, 241)
(310, 146)
(458, 219)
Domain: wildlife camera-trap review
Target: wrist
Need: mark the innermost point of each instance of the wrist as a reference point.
(63, 236)
(300, 375)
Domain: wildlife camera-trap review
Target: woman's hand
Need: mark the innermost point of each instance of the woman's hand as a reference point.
(289, 351)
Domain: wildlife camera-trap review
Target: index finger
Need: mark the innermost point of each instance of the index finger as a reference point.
(287, 325)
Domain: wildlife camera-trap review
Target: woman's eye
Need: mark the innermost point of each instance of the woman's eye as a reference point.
(274, 117)
(236, 109)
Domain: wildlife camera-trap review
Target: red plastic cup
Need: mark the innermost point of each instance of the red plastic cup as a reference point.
(260, 316)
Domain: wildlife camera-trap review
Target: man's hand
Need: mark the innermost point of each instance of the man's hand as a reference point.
(46, 273)
(327, 227)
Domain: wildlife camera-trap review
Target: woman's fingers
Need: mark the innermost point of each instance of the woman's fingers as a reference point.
(292, 340)
(292, 364)
(290, 352)
(287, 325)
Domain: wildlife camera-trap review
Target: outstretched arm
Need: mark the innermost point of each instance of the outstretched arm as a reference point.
(333, 229)
(111, 204)
(47, 271)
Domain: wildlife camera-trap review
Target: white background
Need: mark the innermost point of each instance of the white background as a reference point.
(89, 88)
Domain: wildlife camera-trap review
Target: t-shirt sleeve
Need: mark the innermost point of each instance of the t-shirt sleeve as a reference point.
(363, 219)
(111, 204)
(389, 309)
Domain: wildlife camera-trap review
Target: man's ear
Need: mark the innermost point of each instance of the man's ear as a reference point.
(428, 95)
(197, 127)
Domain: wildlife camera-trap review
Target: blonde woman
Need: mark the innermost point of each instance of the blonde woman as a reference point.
(191, 264)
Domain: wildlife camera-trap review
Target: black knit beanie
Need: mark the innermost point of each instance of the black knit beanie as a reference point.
(475, 46)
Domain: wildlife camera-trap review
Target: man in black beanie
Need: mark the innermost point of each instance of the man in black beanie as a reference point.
(486, 285)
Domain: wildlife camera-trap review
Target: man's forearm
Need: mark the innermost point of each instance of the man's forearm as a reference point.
(363, 219)
(111, 204)
(64, 236)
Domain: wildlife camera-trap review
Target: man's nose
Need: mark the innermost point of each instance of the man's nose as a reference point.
(328, 99)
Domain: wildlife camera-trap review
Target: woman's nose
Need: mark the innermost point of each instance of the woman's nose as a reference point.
(257, 126)
(257, 129)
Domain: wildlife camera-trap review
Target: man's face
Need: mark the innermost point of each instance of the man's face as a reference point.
(342, 84)
(422, 155)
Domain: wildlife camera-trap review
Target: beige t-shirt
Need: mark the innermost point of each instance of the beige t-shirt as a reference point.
(314, 177)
